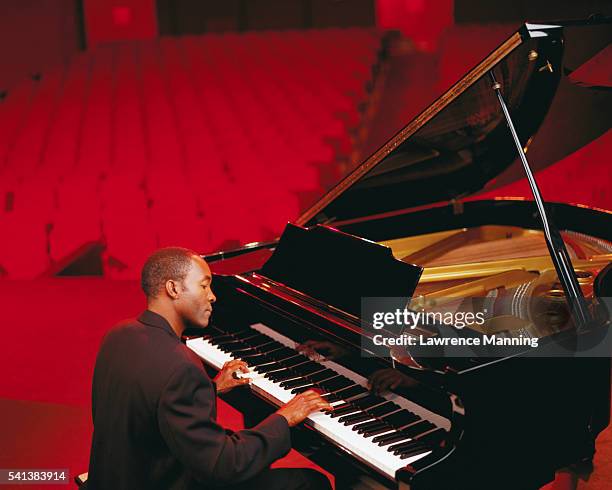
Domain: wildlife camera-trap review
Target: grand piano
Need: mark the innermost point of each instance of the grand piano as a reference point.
(399, 226)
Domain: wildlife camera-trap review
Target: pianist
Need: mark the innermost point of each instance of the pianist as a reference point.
(154, 406)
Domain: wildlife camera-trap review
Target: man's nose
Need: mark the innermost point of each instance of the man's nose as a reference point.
(212, 298)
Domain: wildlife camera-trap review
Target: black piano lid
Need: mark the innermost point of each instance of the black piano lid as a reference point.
(461, 142)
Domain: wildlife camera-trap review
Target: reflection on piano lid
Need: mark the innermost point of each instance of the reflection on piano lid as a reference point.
(289, 308)
(461, 142)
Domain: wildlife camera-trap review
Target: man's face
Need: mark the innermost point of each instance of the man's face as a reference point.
(195, 302)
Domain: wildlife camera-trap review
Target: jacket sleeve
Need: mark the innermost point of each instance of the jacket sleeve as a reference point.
(186, 423)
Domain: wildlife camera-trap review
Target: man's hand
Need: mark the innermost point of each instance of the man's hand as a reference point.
(225, 380)
(301, 406)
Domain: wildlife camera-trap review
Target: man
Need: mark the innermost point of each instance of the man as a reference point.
(154, 406)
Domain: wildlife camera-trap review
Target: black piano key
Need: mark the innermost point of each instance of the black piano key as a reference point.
(330, 381)
(296, 366)
(433, 438)
(295, 378)
(403, 445)
(247, 333)
(365, 426)
(335, 384)
(418, 428)
(277, 344)
(306, 368)
(401, 418)
(302, 389)
(246, 337)
(272, 351)
(343, 405)
(390, 438)
(294, 383)
(270, 373)
(343, 389)
(414, 452)
(256, 359)
(278, 376)
(323, 375)
(340, 406)
(354, 418)
(247, 349)
(372, 413)
(331, 398)
(409, 448)
(229, 346)
(344, 410)
(265, 348)
(269, 365)
(410, 431)
(220, 342)
(369, 401)
(258, 340)
(282, 353)
(284, 363)
(309, 368)
(303, 384)
(292, 373)
(379, 430)
(383, 409)
(359, 404)
(347, 393)
(268, 347)
(221, 339)
(266, 368)
(241, 351)
(294, 361)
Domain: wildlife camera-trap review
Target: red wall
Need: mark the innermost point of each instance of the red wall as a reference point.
(421, 20)
(34, 36)
(119, 21)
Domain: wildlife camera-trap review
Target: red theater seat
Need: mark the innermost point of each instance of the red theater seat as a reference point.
(78, 217)
(202, 141)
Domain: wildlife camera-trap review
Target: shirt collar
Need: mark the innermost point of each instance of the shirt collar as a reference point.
(153, 319)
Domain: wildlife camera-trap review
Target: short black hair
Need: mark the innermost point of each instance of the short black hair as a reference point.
(163, 265)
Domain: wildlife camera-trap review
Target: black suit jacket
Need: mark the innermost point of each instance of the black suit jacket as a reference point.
(154, 410)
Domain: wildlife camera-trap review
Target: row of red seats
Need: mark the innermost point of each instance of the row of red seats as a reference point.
(205, 142)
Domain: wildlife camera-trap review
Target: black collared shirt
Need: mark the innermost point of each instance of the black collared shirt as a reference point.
(154, 413)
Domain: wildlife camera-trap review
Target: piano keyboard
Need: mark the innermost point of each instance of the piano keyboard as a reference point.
(386, 432)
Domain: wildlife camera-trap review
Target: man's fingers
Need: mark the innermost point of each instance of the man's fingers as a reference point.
(317, 400)
(308, 394)
(236, 363)
(319, 405)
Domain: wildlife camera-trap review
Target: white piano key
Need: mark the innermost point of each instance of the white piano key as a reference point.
(209, 352)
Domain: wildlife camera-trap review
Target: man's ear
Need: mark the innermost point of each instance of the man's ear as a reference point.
(172, 289)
